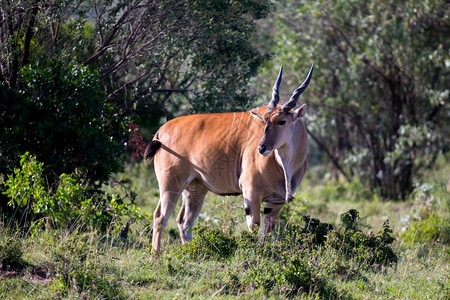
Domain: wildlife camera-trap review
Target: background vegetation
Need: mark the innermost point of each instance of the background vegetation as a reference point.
(381, 111)
(83, 85)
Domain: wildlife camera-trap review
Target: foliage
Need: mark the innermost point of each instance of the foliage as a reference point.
(75, 74)
(290, 268)
(316, 229)
(428, 221)
(70, 205)
(195, 53)
(76, 268)
(431, 229)
(11, 249)
(379, 95)
(136, 143)
(209, 243)
(307, 259)
(27, 182)
(62, 119)
(224, 49)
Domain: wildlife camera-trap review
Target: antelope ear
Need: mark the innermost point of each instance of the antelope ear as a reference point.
(300, 112)
(257, 114)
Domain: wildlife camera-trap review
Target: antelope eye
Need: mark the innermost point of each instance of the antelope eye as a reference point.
(281, 123)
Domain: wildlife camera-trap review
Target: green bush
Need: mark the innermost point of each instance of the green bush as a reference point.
(299, 259)
(70, 205)
(61, 117)
(27, 182)
(316, 229)
(11, 249)
(431, 229)
(428, 221)
(76, 268)
(208, 243)
(369, 120)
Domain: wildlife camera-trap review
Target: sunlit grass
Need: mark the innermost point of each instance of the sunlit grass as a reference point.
(94, 265)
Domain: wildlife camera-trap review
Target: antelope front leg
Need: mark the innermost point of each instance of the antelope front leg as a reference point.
(253, 214)
(271, 212)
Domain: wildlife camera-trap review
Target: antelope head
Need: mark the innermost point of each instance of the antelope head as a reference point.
(279, 121)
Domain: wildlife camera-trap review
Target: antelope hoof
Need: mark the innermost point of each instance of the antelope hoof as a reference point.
(290, 198)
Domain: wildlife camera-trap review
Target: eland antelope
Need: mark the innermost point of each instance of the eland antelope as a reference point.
(261, 154)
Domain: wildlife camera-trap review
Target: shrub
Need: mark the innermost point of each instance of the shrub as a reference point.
(70, 205)
(431, 229)
(209, 243)
(299, 259)
(10, 250)
(27, 183)
(428, 221)
(77, 268)
(61, 117)
(316, 229)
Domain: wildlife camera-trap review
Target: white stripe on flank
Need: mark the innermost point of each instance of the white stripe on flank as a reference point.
(250, 116)
(229, 131)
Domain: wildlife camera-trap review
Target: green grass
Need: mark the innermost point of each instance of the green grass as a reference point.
(224, 261)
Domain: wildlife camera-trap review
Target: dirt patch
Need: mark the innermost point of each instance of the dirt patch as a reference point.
(36, 274)
(39, 275)
(8, 271)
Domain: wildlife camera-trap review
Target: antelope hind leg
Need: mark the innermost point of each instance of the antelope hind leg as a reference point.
(193, 197)
(163, 211)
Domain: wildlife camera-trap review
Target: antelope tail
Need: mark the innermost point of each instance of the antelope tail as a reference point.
(151, 149)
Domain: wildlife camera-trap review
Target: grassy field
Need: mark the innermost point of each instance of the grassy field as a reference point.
(331, 258)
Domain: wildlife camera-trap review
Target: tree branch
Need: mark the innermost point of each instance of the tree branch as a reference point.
(107, 42)
(333, 159)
